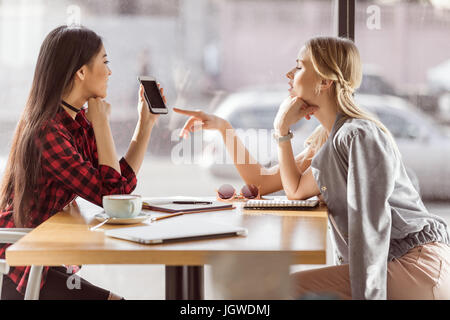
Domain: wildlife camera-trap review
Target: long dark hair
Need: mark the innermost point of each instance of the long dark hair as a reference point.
(64, 51)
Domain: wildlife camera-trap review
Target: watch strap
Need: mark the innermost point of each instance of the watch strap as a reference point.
(279, 139)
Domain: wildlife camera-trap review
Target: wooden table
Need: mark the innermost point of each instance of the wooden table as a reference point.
(65, 239)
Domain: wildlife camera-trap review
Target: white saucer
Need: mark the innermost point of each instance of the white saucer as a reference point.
(139, 218)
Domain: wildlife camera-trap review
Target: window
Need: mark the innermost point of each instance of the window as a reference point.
(200, 51)
(400, 127)
(406, 63)
(405, 52)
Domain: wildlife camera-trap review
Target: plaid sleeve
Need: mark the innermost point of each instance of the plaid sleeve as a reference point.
(62, 161)
(127, 171)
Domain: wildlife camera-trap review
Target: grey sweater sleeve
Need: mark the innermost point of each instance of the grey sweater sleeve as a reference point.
(371, 180)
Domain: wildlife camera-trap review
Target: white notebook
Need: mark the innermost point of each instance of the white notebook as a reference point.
(281, 204)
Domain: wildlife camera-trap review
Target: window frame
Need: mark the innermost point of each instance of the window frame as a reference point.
(346, 19)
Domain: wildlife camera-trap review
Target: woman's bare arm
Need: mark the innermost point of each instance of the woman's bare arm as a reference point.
(296, 184)
(268, 179)
(98, 114)
(141, 137)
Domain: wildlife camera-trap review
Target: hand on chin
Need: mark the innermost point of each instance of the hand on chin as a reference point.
(98, 95)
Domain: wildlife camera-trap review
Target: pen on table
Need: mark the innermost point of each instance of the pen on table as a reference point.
(177, 202)
(191, 202)
(167, 216)
(188, 212)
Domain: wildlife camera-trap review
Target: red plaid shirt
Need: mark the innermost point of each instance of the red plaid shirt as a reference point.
(69, 168)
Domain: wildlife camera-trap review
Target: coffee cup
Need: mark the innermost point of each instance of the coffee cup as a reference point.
(122, 205)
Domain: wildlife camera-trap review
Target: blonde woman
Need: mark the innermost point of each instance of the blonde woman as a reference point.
(388, 245)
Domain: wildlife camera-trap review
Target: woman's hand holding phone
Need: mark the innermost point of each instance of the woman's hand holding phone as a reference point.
(143, 109)
(291, 110)
(207, 121)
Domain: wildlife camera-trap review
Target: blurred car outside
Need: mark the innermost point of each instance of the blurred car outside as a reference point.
(374, 83)
(251, 112)
(443, 113)
(438, 78)
(423, 97)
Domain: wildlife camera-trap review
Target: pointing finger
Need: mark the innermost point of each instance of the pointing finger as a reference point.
(189, 112)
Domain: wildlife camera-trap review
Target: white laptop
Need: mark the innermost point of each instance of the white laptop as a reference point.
(176, 229)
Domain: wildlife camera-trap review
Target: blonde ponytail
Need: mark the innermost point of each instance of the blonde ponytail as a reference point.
(338, 59)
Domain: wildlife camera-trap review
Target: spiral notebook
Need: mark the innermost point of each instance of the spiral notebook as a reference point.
(281, 204)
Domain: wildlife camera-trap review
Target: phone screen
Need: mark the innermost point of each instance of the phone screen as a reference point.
(155, 100)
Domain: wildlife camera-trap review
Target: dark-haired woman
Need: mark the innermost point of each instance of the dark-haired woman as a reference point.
(61, 151)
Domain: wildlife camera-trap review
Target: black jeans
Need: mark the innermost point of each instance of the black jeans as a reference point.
(56, 288)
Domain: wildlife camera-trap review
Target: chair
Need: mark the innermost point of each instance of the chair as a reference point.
(12, 235)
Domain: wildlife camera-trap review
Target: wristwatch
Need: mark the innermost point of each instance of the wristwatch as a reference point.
(283, 138)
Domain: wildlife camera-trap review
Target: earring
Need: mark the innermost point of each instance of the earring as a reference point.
(317, 90)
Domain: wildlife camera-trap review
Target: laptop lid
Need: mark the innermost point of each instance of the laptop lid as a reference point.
(172, 230)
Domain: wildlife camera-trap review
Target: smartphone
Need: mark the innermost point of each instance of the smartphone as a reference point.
(152, 95)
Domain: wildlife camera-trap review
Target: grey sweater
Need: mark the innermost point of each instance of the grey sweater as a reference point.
(375, 211)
